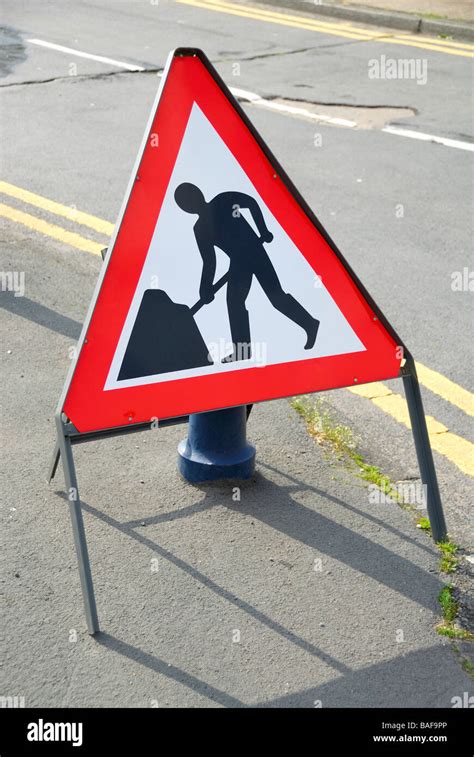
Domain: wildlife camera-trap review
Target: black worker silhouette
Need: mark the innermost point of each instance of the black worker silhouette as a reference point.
(221, 224)
(165, 336)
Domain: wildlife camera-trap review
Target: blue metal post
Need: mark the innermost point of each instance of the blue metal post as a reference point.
(216, 446)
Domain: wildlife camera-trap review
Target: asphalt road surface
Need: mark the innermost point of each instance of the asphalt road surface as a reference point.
(205, 600)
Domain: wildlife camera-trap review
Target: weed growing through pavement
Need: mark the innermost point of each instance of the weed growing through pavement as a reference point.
(323, 427)
(449, 562)
(327, 431)
(448, 604)
(450, 607)
(424, 524)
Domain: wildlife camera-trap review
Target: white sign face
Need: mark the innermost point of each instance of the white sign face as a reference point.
(174, 264)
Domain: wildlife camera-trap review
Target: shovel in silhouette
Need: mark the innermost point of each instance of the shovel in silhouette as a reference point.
(165, 337)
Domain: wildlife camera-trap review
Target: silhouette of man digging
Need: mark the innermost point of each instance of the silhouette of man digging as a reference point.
(221, 224)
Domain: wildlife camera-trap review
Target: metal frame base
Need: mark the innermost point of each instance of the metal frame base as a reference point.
(68, 435)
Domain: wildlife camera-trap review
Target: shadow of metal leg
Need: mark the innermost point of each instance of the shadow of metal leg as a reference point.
(54, 463)
(77, 522)
(424, 454)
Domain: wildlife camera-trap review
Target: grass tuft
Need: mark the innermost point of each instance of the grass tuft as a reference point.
(322, 426)
(326, 430)
(457, 633)
(450, 607)
(448, 604)
(424, 524)
(449, 561)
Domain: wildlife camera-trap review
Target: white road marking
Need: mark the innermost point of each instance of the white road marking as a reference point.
(457, 143)
(296, 110)
(81, 54)
(254, 99)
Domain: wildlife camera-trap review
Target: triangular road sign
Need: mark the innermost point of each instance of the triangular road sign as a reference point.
(220, 287)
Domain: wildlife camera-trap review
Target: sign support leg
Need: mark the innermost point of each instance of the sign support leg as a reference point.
(72, 491)
(424, 453)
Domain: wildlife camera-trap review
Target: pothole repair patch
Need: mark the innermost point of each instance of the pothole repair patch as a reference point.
(349, 116)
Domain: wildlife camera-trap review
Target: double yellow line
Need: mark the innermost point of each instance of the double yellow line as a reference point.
(50, 229)
(455, 448)
(346, 30)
